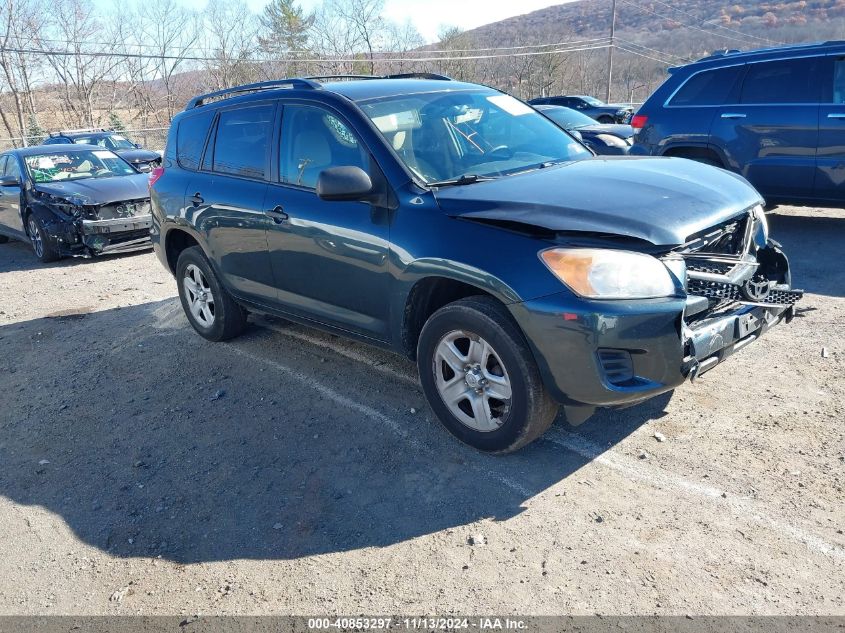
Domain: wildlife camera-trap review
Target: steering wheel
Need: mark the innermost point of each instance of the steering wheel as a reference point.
(502, 151)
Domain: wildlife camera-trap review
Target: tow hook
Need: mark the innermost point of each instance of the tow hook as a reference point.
(693, 372)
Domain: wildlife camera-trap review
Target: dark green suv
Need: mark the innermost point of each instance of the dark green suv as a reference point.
(457, 226)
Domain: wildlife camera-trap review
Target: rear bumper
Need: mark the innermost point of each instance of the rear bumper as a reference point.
(612, 354)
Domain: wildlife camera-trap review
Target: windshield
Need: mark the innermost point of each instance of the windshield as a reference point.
(114, 141)
(60, 166)
(568, 118)
(593, 101)
(442, 136)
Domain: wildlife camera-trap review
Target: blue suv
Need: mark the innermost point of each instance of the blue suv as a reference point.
(776, 116)
(458, 226)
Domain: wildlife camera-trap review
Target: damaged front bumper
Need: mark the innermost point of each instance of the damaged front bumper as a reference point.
(119, 235)
(617, 353)
(76, 237)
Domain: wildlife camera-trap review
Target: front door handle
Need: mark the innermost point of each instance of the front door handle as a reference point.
(836, 115)
(196, 199)
(278, 214)
(733, 115)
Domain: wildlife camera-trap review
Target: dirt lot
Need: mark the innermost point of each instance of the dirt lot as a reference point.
(145, 470)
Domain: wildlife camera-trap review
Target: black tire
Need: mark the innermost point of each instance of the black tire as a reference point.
(607, 120)
(530, 410)
(228, 317)
(43, 245)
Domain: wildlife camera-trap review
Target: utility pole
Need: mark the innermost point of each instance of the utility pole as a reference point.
(610, 51)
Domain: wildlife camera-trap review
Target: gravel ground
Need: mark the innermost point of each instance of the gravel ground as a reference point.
(145, 470)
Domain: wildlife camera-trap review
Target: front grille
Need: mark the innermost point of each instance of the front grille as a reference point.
(127, 209)
(714, 290)
(617, 366)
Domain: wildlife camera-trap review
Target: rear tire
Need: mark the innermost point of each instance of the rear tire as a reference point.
(480, 377)
(211, 310)
(607, 120)
(43, 245)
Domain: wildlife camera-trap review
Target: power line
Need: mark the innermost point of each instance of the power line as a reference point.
(100, 54)
(421, 51)
(688, 26)
(718, 26)
(653, 50)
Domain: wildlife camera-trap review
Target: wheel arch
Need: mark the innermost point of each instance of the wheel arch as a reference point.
(430, 293)
(176, 240)
(696, 152)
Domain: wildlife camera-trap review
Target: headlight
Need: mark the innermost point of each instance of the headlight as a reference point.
(612, 141)
(761, 226)
(607, 274)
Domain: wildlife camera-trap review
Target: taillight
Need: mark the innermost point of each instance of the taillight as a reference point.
(639, 121)
(155, 174)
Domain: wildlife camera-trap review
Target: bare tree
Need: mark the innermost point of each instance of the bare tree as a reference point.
(230, 40)
(82, 57)
(21, 25)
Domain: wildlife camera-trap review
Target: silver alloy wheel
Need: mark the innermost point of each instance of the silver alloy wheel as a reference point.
(472, 380)
(198, 293)
(35, 237)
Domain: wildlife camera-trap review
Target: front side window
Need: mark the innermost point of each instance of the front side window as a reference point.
(11, 167)
(314, 139)
(445, 135)
(710, 87)
(782, 81)
(243, 135)
(76, 165)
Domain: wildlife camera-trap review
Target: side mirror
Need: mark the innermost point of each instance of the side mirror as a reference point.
(10, 181)
(344, 183)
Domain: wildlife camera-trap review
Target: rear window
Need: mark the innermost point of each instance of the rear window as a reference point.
(782, 81)
(839, 81)
(711, 87)
(190, 139)
(243, 134)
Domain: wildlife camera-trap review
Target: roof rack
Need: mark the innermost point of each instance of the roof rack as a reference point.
(256, 87)
(82, 130)
(307, 83)
(434, 76)
(324, 77)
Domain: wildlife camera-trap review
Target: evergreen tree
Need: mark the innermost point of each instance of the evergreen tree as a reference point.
(286, 28)
(35, 134)
(115, 123)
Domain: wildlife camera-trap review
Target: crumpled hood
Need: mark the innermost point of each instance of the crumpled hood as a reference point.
(138, 155)
(659, 200)
(100, 190)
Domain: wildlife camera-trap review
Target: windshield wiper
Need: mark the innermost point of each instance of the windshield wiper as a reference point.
(466, 179)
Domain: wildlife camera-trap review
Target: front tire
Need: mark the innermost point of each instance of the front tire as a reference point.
(480, 377)
(212, 311)
(43, 245)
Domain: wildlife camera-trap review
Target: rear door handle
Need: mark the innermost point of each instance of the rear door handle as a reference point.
(733, 115)
(196, 199)
(836, 115)
(278, 214)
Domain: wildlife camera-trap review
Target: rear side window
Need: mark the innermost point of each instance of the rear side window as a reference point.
(190, 139)
(243, 134)
(782, 81)
(710, 87)
(839, 81)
